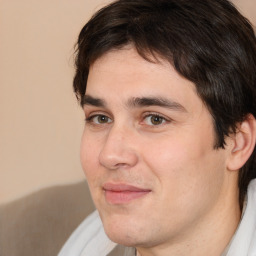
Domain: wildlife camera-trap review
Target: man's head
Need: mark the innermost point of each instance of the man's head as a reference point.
(207, 42)
(186, 68)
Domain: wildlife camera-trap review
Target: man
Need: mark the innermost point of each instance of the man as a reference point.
(168, 88)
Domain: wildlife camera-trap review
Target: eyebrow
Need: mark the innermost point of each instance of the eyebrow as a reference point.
(155, 101)
(89, 100)
(136, 102)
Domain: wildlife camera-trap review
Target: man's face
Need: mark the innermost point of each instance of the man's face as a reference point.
(147, 151)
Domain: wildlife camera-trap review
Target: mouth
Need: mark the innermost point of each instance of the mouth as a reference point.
(123, 193)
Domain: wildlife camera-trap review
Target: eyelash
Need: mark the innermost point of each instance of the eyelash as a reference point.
(156, 115)
(90, 121)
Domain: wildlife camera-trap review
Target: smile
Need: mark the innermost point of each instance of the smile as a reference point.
(123, 193)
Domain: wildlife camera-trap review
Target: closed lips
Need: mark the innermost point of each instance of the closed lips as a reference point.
(123, 193)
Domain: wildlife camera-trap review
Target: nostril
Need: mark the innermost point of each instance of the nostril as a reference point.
(114, 159)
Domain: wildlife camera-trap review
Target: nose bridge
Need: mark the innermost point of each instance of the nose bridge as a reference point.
(118, 148)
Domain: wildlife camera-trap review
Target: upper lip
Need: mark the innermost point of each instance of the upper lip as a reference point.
(120, 187)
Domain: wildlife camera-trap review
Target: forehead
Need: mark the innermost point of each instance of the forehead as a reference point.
(124, 74)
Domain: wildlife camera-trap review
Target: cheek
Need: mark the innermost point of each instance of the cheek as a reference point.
(169, 156)
(185, 167)
(88, 156)
(89, 161)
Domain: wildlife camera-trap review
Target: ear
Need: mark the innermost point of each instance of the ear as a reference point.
(244, 141)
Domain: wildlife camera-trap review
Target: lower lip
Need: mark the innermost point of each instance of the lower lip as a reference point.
(122, 197)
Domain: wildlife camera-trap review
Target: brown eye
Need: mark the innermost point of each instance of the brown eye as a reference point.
(99, 119)
(102, 119)
(154, 120)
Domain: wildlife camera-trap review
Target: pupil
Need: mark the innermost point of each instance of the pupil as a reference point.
(156, 119)
(102, 119)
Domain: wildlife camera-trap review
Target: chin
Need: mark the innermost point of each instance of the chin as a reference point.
(122, 231)
(123, 239)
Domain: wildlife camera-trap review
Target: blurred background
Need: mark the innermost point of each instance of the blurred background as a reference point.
(40, 120)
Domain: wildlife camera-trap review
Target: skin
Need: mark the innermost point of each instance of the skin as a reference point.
(192, 205)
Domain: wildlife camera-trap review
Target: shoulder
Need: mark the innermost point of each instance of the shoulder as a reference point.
(88, 239)
(244, 241)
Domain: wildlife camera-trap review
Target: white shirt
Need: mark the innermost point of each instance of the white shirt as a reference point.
(89, 239)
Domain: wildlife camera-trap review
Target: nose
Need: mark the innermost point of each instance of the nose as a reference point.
(118, 150)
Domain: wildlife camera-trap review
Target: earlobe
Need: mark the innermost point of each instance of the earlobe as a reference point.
(243, 143)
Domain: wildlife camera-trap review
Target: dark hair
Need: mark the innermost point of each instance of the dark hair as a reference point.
(207, 41)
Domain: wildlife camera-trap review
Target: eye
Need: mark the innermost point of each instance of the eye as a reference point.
(98, 119)
(154, 119)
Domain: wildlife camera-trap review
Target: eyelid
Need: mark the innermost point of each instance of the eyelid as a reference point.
(89, 117)
(148, 114)
(92, 113)
(97, 115)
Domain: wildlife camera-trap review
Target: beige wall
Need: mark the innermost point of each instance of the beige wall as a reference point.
(248, 8)
(40, 121)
